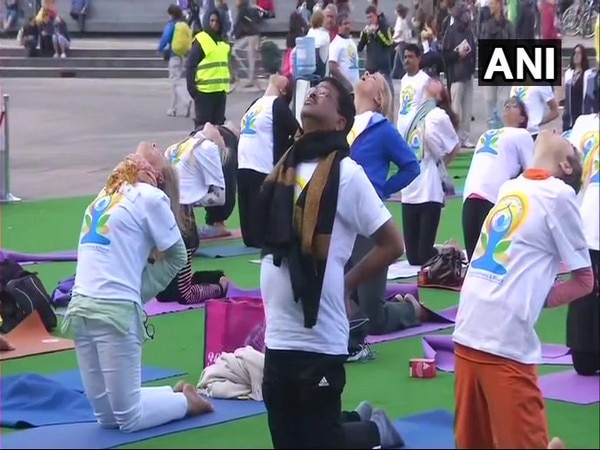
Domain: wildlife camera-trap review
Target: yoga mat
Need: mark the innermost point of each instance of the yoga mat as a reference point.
(571, 388)
(441, 349)
(431, 429)
(31, 338)
(33, 400)
(38, 257)
(397, 198)
(441, 286)
(91, 436)
(234, 291)
(402, 269)
(439, 320)
(226, 251)
(155, 308)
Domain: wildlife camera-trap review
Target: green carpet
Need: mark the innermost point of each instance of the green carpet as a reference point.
(54, 225)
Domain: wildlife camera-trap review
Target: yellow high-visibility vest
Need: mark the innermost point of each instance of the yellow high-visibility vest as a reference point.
(212, 74)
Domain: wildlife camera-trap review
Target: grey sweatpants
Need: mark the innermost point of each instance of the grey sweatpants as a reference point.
(384, 317)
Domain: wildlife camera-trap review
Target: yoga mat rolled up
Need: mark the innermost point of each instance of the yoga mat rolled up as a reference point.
(38, 257)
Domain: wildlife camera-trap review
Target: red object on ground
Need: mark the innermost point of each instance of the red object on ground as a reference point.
(422, 368)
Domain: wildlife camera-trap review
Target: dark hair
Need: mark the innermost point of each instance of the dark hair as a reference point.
(371, 10)
(444, 103)
(298, 27)
(414, 48)
(175, 12)
(522, 111)
(585, 62)
(340, 18)
(401, 10)
(345, 103)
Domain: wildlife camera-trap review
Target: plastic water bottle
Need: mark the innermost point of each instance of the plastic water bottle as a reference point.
(305, 62)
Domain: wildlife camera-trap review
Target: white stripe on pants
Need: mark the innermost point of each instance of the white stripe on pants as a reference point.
(110, 363)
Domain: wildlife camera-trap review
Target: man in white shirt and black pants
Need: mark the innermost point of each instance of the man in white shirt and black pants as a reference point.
(314, 204)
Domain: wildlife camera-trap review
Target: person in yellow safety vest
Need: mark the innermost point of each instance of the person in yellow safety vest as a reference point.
(208, 75)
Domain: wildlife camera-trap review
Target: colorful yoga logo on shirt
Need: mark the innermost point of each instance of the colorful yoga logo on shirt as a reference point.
(353, 56)
(176, 152)
(488, 142)
(589, 145)
(95, 228)
(414, 142)
(407, 100)
(520, 92)
(248, 127)
(504, 220)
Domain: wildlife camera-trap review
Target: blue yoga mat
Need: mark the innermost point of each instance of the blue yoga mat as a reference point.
(31, 400)
(431, 429)
(91, 436)
(226, 251)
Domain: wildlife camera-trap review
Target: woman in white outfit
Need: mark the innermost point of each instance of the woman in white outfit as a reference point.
(133, 217)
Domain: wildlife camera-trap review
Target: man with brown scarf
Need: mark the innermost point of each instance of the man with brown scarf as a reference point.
(313, 205)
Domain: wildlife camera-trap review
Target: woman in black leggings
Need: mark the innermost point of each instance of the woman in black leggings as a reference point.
(434, 139)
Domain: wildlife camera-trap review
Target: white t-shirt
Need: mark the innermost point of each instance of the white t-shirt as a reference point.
(361, 121)
(499, 156)
(536, 100)
(344, 52)
(585, 137)
(359, 211)
(255, 147)
(534, 226)
(440, 140)
(411, 97)
(198, 165)
(322, 41)
(117, 236)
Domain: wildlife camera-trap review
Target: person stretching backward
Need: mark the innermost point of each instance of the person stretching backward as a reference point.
(374, 144)
(198, 161)
(583, 316)
(500, 155)
(313, 205)
(433, 138)
(267, 130)
(134, 214)
(534, 225)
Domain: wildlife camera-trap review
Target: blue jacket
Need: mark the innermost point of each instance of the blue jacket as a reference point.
(379, 145)
(167, 37)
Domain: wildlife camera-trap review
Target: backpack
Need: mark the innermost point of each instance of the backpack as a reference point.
(444, 269)
(61, 295)
(22, 293)
(182, 39)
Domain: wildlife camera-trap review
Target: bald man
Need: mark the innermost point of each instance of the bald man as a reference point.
(534, 226)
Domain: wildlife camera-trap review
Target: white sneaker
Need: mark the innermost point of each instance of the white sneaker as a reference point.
(171, 113)
(364, 354)
(56, 55)
(64, 55)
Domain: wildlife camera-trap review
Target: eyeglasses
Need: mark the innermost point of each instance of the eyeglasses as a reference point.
(319, 91)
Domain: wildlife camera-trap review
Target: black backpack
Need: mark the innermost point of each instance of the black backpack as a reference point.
(22, 293)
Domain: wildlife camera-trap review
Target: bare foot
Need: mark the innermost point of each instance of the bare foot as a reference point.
(179, 386)
(197, 405)
(5, 345)
(224, 282)
(420, 312)
(556, 443)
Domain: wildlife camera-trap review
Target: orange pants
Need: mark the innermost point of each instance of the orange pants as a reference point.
(498, 403)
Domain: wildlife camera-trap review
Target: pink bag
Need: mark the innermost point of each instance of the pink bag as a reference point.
(233, 323)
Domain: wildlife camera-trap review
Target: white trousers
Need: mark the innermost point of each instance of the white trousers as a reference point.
(179, 93)
(110, 363)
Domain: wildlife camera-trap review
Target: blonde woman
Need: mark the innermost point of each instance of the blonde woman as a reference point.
(134, 215)
(375, 144)
(199, 161)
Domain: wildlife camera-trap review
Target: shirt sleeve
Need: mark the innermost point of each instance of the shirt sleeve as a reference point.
(160, 222)
(208, 162)
(440, 135)
(547, 94)
(566, 227)
(334, 51)
(360, 206)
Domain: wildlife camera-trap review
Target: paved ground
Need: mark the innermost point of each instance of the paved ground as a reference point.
(67, 134)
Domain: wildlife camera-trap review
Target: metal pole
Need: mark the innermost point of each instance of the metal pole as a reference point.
(6, 197)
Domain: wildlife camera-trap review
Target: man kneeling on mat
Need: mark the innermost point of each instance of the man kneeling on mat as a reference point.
(198, 160)
(534, 226)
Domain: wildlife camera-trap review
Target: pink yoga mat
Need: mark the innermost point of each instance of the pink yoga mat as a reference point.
(440, 320)
(571, 388)
(441, 349)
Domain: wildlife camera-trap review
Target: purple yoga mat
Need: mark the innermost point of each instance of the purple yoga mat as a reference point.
(156, 308)
(570, 387)
(234, 291)
(441, 349)
(38, 257)
(439, 320)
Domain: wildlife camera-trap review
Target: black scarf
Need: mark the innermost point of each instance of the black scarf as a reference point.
(300, 232)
